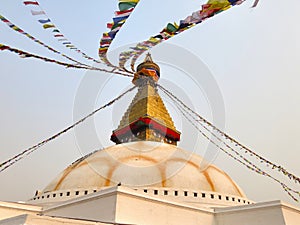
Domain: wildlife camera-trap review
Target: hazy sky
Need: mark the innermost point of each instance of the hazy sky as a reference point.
(253, 56)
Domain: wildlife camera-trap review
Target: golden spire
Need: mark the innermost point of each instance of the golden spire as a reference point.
(147, 118)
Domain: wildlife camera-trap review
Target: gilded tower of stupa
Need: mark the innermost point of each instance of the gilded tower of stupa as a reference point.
(147, 118)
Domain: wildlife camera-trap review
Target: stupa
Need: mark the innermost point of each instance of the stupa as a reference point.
(145, 178)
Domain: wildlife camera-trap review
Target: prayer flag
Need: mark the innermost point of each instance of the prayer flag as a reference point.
(120, 24)
(103, 50)
(16, 28)
(24, 55)
(124, 11)
(218, 4)
(154, 40)
(106, 38)
(235, 2)
(3, 47)
(214, 6)
(109, 25)
(46, 26)
(35, 13)
(45, 21)
(105, 45)
(172, 27)
(31, 3)
(4, 19)
(103, 41)
(112, 34)
(127, 1)
(22, 31)
(126, 5)
(196, 17)
(116, 29)
(119, 19)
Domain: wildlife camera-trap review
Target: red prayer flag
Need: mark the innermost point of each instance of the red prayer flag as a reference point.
(117, 13)
(31, 3)
(3, 47)
(109, 25)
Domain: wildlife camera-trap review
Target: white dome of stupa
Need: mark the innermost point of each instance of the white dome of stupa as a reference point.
(141, 165)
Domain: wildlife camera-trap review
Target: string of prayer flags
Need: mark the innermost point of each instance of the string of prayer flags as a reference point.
(211, 8)
(235, 147)
(126, 7)
(24, 54)
(48, 25)
(234, 153)
(8, 163)
(243, 147)
(19, 30)
(138, 50)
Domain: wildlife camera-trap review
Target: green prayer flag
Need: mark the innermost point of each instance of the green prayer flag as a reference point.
(126, 5)
(171, 28)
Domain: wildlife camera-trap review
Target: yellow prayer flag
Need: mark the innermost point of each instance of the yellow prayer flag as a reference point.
(154, 40)
(219, 4)
(46, 26)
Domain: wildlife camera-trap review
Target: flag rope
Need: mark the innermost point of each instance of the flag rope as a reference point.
(8, 163)
(48, 24)
(81, 65)
(24, 54)
(193, 118)
(126, 7)
(208, 10)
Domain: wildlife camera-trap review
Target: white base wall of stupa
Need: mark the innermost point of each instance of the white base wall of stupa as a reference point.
(122, 205)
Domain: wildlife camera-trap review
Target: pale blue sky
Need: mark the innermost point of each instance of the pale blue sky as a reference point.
(253, 55)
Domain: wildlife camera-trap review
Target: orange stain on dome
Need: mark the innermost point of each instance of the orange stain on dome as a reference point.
(212, 186)
(161, 164)
(131, 158)
(76, 166)
(229, 178)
